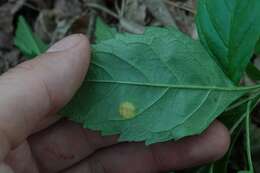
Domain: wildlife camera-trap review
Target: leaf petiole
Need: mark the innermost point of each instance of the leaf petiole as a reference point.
(242, 101)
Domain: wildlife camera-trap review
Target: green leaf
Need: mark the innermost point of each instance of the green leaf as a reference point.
(103, 31)
(229, 30)
(153, 87)
(27, 41)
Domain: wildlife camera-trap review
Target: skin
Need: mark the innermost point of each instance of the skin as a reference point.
(34, 140)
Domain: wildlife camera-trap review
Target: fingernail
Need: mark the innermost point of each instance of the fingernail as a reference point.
(66, 43)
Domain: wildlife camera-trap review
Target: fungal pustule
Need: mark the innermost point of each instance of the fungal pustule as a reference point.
(127, 110)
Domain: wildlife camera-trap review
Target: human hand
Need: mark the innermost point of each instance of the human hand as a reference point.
(34, 91)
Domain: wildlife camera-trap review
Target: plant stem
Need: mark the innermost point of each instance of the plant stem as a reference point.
(248, 143)
(104, 9)
(242, 101)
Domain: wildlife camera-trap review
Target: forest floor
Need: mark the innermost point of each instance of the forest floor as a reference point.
(54, 19)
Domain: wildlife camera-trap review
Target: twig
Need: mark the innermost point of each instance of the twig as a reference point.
(92, 17)
(17, 6)
(62, 28)
(118, 10)
(123, 6)
(102, 8)
(126, 24)
(91, 25)
(181, 7)
(31, 6)
(160, 12)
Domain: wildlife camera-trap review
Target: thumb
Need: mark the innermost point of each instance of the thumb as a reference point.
(36, 88)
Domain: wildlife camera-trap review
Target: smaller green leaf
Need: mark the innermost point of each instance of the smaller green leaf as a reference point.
(103, 31)
(229, 30)
(29, 43)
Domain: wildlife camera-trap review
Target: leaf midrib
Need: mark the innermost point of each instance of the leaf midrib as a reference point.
(172, 86)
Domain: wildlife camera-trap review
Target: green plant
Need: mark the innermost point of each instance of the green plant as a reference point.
(162, 85)
(29, 43)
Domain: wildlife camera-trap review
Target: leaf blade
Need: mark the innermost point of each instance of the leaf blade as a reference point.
(166, 98)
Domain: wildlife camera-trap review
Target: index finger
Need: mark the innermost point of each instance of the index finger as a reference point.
(39, 87)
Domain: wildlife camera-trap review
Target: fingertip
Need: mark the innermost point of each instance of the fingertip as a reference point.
(73, 51)
(68, 59)
(70, 42)
(219, 138)
(193, 151)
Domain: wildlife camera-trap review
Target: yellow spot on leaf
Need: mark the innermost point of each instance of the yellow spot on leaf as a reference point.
(127, 110)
